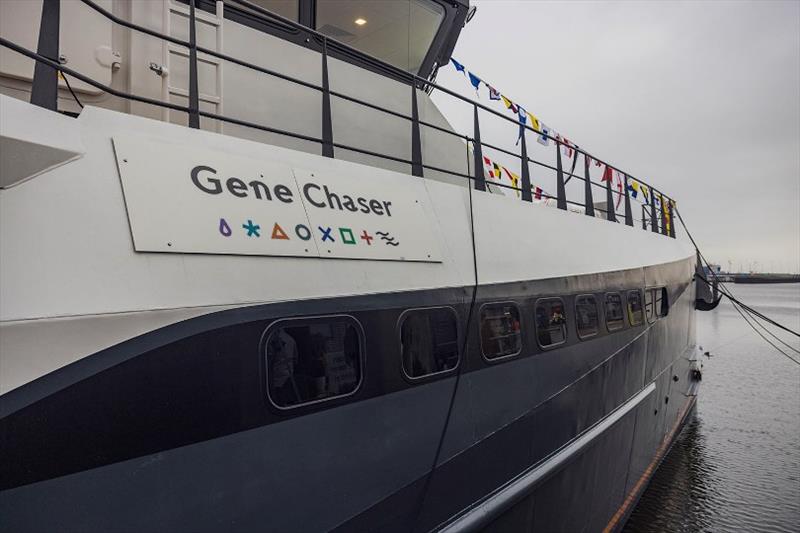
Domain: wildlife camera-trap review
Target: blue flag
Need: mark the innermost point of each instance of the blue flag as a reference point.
(543, 139)
(459, 66)
(523, 119)
(475, 81)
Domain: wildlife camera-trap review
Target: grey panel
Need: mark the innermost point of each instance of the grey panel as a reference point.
(316, 470)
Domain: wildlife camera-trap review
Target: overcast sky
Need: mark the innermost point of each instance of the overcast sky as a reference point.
(702, 99)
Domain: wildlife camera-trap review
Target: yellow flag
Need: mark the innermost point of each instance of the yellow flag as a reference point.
(534, 121)
(506, 101)
(514, 180)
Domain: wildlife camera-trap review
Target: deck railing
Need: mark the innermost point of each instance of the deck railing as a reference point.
(44, 93)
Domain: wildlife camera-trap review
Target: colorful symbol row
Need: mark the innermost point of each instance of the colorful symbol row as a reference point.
(304, 233)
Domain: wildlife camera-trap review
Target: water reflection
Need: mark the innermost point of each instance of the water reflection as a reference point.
(736, 465)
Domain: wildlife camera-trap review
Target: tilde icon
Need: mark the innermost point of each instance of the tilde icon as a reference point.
(387, 238)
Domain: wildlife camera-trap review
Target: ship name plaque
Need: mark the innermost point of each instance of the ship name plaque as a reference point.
(187, 199)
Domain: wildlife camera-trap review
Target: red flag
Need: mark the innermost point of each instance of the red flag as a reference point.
(489, 164)
(538, 193)
(566, 146)
(607, 174)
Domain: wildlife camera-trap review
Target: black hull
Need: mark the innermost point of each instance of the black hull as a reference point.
(173, 431)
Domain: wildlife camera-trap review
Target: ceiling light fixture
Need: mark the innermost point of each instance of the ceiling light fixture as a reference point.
(359, 21)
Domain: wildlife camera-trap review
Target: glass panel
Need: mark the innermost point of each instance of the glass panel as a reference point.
(309, 360)
(586, 316)
(649, 311)
(398, 32)
(286, 8)
(635, 308)
(429, 341)
(551, 322)
(662, 302)
(614, 312)
(500, 330)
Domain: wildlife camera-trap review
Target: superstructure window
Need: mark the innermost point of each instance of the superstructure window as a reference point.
(635, 316)
(586, 315)
(429, 341)
(500, 330)
(649, 309)
(551, 322)
(661, 302)
(399, 32)
(286, 8)
(615, 318)
(315, 359)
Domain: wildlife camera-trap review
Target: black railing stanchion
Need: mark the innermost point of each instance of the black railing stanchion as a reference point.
(628, 211)
(416, 140)
(525, 171)
(327, 121)
(561, 193)
(48, 66)
(44, 91)
(480, 178)
(194, 93)
(653, 220)
(611, 213)
(587, 188)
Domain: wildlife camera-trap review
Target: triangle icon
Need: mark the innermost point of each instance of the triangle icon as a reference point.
(278, 233)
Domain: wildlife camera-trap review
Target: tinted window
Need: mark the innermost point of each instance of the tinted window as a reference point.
(398, 32)
(635, 316)
(500, 330)
(661, 302)
(429, 341)
(614, 312)
(649, 311)
(285, 8)
(551, 322)
(586, 316)
(313, 359)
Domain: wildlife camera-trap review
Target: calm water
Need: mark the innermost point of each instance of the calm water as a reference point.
(736, 467)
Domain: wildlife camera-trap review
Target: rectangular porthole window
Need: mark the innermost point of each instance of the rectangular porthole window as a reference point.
(429, 341)
(635, 316)
(551, 322)
(586, 315)
(614, 313)
(661, 302)
(649, 309)
(312, 360)
(500, 330)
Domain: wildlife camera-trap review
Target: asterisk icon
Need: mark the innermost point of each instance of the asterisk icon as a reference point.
(252, 229)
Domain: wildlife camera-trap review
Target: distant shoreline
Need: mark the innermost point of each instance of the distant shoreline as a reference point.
(765, 278)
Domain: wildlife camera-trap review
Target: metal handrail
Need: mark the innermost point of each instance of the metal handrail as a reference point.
(322, 37)
(327, 142)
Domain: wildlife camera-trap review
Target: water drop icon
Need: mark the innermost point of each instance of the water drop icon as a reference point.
(224, 228)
